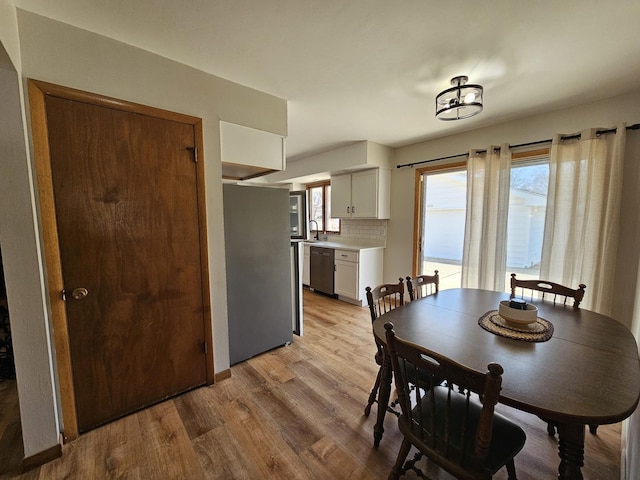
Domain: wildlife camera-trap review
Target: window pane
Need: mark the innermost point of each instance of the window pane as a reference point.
(333, 223)
(527, 207)
(444, 210)
(315, 213)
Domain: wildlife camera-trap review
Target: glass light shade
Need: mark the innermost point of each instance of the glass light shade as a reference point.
(460, 101)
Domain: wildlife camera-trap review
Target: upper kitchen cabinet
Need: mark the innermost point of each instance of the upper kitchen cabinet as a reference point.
(248, 153)
(363, 194)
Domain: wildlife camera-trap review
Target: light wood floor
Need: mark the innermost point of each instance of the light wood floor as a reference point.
(293, 413)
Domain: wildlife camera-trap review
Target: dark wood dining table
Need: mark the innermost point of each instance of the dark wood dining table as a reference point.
(587, 373)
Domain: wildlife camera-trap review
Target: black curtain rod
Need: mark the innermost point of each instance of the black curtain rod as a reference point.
(566, 137)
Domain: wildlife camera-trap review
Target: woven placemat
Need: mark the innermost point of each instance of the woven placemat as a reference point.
(539, 331)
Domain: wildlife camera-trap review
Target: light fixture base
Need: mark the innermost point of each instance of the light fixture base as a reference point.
(459, 80)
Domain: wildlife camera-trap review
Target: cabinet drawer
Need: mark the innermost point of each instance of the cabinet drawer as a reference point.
(346, 255)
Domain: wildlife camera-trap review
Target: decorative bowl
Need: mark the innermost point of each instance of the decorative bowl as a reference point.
(517, 316)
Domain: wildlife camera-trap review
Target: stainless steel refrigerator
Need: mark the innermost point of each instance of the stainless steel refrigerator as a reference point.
(257, 248)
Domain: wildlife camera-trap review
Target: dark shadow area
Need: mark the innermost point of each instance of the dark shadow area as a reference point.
(11, 449)
(7, 366)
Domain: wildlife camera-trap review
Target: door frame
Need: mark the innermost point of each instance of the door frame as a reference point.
(418, 211)
(38, 91)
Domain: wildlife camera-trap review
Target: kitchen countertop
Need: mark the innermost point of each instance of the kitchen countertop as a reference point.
(354, 247)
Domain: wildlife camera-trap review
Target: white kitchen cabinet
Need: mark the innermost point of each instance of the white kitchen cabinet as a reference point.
(341, 196)
(346, 273)
(355, 271)
(363, 194)
(248, 152)
(306, 266)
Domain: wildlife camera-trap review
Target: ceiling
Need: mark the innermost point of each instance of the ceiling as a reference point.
(370, 69)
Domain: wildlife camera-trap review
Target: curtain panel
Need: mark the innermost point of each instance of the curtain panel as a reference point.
(580, 240)
(484, 254)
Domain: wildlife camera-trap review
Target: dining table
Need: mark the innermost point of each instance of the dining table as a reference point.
(582, 369)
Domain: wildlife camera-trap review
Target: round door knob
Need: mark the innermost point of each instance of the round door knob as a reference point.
(79, 293)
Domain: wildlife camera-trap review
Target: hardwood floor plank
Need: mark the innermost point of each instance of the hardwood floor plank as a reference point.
(222, 457)
(165, 445)
(295, 412)
(198, 410)
(328, 460)
(296, 427)
(264, 447)
(115, 443)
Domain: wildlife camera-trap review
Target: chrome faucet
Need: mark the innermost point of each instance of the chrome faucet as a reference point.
(317, 237)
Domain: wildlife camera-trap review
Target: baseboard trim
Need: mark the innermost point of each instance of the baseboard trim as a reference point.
(223, 375)
(350, 300)
(40, 458)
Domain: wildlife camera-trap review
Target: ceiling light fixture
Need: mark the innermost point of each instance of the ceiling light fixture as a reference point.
(460, 101)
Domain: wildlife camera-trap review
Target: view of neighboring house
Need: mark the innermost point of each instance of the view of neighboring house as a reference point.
(445, 208)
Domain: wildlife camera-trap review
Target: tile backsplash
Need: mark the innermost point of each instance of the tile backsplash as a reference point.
(373, 231)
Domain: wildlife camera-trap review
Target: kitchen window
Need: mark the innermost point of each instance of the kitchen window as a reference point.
(320, 208)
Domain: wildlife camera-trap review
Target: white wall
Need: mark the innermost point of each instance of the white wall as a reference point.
(9, 32)
(58, 53)
(22, 265)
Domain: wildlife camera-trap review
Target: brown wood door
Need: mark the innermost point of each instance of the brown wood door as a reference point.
(125, 190)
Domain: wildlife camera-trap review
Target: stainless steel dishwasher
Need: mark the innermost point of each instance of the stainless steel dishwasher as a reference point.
(321, 269)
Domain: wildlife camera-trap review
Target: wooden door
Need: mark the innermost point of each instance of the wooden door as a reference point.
(126, 205)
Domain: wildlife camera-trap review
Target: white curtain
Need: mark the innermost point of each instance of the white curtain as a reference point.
(484, 255)
(583, 213)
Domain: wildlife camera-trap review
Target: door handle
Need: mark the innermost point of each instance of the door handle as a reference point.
(79, 293)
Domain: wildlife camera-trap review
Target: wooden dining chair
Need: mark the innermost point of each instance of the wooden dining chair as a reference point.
(555, 289)
(423, 285)
(381, 300)
(454, 430)
(547, 287)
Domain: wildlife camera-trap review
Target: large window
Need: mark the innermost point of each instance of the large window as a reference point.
(320, 208)
(525, 225)
(441, 222)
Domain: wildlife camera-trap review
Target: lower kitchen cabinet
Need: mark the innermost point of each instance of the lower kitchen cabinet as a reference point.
(346, 273)
(356, 270)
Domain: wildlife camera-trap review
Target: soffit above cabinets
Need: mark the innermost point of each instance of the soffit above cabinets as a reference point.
(360, 155)
(249, 153)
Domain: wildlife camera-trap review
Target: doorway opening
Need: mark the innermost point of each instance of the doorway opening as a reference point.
(11, 449)
(7, 366)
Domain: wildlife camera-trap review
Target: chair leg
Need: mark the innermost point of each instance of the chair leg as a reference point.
(396, 470)
(374, 393)
(593, 429)
(511, 470)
